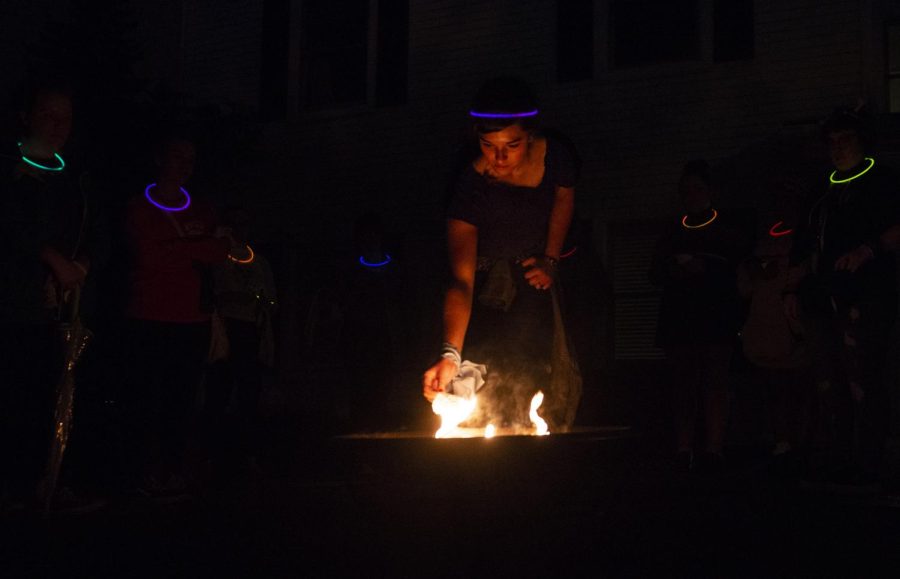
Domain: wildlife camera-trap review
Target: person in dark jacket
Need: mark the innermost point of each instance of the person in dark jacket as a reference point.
(849, 292)
(699, 315)
(53, 238)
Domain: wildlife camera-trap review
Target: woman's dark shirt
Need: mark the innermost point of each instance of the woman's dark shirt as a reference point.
(512, 220)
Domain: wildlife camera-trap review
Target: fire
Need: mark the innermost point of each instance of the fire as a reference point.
(540, 427)
(454, 410)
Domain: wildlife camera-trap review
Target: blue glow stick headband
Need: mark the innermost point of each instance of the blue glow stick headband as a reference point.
(480, 115)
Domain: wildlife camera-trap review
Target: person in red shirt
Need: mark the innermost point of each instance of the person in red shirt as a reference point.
(173, 242)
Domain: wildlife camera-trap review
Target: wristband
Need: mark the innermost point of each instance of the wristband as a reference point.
(547, 263)
(450, 352)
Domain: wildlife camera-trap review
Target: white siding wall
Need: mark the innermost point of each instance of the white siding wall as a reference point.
(158, 38)
(634, 127)
(21, 23)
(807, 61)
(222, 50)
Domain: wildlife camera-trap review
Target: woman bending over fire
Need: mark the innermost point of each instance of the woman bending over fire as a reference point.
(506, 224)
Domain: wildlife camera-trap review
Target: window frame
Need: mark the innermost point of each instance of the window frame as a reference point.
(298, 103)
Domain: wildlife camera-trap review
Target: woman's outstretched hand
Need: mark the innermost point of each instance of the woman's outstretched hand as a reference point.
(539, 272)
(437, 377)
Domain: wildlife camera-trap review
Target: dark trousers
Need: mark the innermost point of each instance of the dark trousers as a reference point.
(700, 375)
(165, 365)
(237, 379)
(854, 344)
(30, 366)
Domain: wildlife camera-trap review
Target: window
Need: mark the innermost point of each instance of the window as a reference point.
(732, 30)
(635, 300)
(334, 52)
(392, 52)
(893, 67)
(574, 40)
(339, 64)
(654, 31)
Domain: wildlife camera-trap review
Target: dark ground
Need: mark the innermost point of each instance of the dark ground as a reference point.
(599, 502)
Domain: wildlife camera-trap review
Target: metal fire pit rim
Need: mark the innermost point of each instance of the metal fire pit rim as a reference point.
(606, 432)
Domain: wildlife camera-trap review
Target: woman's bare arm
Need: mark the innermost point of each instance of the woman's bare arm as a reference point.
(540, 270)
(560, 220)
(462, 244)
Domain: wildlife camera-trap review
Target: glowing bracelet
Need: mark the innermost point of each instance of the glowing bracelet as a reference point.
(62, 164)
(187, 202)
(704, 224)
(244, 261)
(852, 177)
(569, 253)
(479, 115)
(774, 232)
(386, 261)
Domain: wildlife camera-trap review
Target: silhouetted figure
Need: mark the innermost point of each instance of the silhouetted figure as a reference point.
(245, 301)
(777, 347)
(699, 315)
(171, 232)
(371, 301)
(53, 238)
(848, 296)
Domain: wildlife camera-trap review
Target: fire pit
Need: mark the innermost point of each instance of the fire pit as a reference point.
(417, 458)
(583, 433)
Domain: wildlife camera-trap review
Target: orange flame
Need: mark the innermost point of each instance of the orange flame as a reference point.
(453, 410)
(540, 427)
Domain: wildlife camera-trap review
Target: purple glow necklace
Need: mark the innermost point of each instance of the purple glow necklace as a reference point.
(187, 202)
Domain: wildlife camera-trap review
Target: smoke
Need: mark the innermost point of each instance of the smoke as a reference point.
(505, 399)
